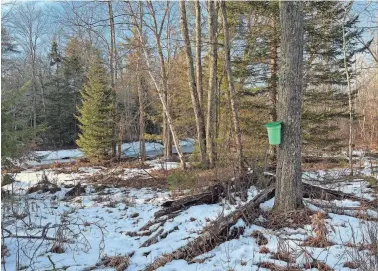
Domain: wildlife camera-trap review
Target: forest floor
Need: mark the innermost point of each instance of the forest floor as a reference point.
(70, 217)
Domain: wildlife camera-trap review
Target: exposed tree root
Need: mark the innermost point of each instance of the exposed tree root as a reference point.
(218, 232)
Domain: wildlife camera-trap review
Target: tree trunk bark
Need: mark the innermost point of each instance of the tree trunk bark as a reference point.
(231, 87)
(112, 73)
(211, 99)
(289, 183)
(350, 104)
(197, 6)
(142, 124)
(200, 122)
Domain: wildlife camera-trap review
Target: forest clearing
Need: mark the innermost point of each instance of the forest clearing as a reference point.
(189, 135)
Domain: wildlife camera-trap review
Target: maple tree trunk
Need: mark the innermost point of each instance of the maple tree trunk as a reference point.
(289, 175)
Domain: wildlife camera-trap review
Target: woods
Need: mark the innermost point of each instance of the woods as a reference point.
(225, 82)
(157, 111)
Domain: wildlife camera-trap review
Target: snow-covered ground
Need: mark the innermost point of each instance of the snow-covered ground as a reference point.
(131, 149)
(99, 223)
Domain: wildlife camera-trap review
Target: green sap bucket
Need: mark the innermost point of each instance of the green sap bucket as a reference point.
(274, 132)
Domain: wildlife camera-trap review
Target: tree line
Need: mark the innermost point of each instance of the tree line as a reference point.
(97, 74)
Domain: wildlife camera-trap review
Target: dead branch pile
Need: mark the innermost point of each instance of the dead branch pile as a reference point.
(218, 232)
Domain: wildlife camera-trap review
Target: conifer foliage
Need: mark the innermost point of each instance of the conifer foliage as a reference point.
(95, 118)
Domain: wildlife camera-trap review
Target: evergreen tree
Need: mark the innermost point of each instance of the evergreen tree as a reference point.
(63, 96)
(95, 137)
(325, 100)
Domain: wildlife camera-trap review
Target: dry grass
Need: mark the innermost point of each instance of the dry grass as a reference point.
(119, 262)
(57, 248)
(319, 227)
(294, 219)
(260, 238)
(318, 265)
(264, 250)
(351, 265)
(274, 267)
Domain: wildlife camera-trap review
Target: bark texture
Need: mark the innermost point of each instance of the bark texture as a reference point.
(142, 123)
(197, 7)
(289, 181)
(350, 104)
(112, 56)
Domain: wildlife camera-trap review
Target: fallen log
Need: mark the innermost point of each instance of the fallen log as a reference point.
(317, 192)
(215, 193)
(212, 195)
(220, 231)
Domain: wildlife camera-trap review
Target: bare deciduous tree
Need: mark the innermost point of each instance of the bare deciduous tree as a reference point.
(200, 122)
(211, 100)
(231, 88)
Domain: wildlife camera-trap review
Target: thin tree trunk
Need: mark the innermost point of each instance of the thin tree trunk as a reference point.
(210, 124)
(200, 122)
(289, 176)
(197, 6)
(113, 76)
(350, 143)
(231, 87)
(164, 91)
(141, 93)
(34, 89)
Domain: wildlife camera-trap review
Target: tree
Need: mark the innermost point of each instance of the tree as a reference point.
(28, 24)
(211, 98)
(162, 87)
(95, 117)
(231, 87)
(198, 113)
(113, 75)
(197, 6)
(16, 135)
(289, 178)
(63, 95)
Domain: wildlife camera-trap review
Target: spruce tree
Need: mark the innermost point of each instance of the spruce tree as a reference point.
(95, 118)
(63, 96)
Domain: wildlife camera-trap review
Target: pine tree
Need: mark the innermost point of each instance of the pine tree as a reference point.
(95, 138)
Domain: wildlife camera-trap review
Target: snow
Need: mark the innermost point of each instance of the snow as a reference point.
(98, 223)
(131, 149)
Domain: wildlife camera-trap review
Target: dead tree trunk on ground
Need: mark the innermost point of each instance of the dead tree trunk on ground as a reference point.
(217, 233)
